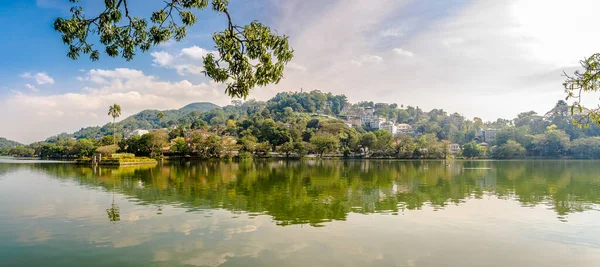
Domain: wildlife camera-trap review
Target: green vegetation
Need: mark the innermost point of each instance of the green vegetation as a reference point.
(584, 82)
(114, 111)
(6, 145)
(297, 124)
(147, 120)
(297, 192)
(245, 57)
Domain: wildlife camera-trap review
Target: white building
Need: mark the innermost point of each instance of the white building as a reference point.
(454, 148)
(389, 126)
(404, 128)
(138, 132)
(367, 116)
(377, 123)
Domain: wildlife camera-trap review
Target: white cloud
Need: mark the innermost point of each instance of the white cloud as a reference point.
(32, 88)
(295, 67)
(40, 77)
(484, 58)
(453, 41)
(403, 52)
(188, 61)
(394, 32)
(195, 52)
(36, 117)
(162, 58)
(399, 27)
(366, 59)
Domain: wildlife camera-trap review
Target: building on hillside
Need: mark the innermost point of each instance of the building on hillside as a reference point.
(354, 120)
(201, 132)
(377, 123)
(454, 148)
(404, 128)
(137, 132)
(489, 135)
(389, 126)
(367, 116)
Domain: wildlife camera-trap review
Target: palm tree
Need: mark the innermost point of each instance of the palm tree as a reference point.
(160, 116)
(114, 212)
(114, 111)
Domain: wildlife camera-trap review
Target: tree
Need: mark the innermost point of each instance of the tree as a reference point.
(263, 148)
(300, 148)
(384, 140)
(553, 143)
(287, 148)
(584, 82)
(404, 146)
(445, 146)
(245, 57)
(21, 151)
(84, 148)
(586, 148)
(368, 140)
(114, 111)
(511, 149)
(156, 141)
(471, 150)
(324, 142)
(213, 145)
(248, 143)
(160, 116)
(180, 146)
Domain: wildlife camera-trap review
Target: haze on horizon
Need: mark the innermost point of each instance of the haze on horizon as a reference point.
(485, 58)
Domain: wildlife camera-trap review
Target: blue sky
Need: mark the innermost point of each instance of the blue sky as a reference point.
(486, 58)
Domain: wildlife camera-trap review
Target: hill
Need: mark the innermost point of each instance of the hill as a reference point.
(146, 120)
(5, 143)
(198, 106)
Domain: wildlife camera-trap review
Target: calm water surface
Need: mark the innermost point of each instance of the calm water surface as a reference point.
(311, 213)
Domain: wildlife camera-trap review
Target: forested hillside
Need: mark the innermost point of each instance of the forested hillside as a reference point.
(297, 123)
(5, 143)
(145, 120)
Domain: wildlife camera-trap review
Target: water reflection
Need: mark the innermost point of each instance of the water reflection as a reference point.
(315, 192)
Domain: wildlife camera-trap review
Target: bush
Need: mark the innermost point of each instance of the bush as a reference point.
(107, 150)
(244, 155)
(122, 156)
(119, 161)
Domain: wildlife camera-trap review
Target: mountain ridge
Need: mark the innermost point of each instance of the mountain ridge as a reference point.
(5, 143)
(146, 120)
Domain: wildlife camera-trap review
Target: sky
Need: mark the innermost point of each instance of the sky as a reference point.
(481, 58)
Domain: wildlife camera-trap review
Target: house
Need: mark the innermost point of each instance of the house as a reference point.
(377, 123)
(489, 135)
(354, 121)
(454, 148)
(200, 132)
(137, 132)
(368, 116)
(404, 128)
(389, 126)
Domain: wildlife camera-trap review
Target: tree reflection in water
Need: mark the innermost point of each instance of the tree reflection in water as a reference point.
(314, 192)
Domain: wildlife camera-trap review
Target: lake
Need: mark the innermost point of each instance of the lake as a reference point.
(301, 213)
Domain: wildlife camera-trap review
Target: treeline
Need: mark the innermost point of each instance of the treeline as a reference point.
(69, 148)
(297, 124)
(347, 186)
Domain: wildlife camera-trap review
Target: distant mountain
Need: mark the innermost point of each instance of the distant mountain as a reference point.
(198, 106)
(146, 120)
(5, 143)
